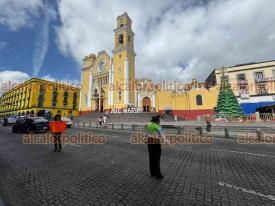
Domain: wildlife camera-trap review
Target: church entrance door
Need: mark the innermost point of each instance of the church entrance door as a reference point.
(146, 104)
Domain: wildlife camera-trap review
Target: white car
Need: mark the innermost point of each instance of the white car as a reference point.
(68, 121)
(12, 119)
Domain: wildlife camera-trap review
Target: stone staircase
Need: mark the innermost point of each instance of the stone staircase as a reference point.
(122, 117)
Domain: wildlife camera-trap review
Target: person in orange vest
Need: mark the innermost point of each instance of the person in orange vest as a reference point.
(57, 136)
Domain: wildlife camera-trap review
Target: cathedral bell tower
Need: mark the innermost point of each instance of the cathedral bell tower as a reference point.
(124, 63)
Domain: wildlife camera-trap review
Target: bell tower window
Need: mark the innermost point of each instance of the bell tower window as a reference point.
(120, 39)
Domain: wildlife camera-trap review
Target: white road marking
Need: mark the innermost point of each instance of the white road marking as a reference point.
(248, 153)
(271, 197)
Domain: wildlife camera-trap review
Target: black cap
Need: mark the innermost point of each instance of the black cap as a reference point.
(155, 118)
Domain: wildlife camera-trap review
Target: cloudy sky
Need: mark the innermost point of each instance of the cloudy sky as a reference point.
(175, 39)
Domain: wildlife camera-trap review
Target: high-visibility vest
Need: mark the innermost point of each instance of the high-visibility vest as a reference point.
(153, 130)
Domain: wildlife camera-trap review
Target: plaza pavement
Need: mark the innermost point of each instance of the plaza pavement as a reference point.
(116, 173)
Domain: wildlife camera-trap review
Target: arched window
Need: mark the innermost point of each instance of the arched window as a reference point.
(54, 100)
(119, 95)
(74, 100)
(100, 67)
(41, 96)
(199, 99)
(120, 39)
(65, 99)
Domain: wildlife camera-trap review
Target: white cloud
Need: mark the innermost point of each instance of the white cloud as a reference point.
(17, 13)
(65, 80)
(9, 79)
(174, 34)
(42, 41)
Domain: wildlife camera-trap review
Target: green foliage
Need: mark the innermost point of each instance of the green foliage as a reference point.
(227, 105)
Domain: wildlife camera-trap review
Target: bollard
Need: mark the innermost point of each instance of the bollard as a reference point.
(226, 133)
(259, 133)
(83, 124)
(78, 123)
(96, 126)
(133, 127)
(112, 126)
(178, 129)
(121, 126)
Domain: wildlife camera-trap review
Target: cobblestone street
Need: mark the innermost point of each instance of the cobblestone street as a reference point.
(117, 173)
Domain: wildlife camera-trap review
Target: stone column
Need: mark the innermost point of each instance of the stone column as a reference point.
(90, 91)
(110, 88)
(139, 100)
(126, 81)
(81, 96)
(154, 100)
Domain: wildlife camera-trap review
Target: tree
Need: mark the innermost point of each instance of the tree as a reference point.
(227, 104)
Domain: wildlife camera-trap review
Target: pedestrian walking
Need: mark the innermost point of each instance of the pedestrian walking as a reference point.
(5, 122)
(57, 136)
(208, 124)
(104, 120)
(99, 120)
(154, 135)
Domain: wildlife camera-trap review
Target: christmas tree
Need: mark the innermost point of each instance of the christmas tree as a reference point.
(227, 105)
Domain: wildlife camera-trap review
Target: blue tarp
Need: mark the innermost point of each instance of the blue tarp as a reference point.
(250, 108)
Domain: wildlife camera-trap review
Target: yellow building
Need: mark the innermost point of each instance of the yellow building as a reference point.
(185, 100)
(109, 83)
(104, 79)
(253, 84)
(38, 95)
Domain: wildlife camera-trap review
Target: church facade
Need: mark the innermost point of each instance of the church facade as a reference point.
(109, 83)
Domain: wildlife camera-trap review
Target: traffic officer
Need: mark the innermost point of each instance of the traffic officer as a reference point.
(154, 133)
(57, 136)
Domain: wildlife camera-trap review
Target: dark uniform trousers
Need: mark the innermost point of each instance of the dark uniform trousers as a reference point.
(57, 141)
(154, 149)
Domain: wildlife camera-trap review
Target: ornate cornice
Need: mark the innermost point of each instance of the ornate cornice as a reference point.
(124, 28)
(121, 48)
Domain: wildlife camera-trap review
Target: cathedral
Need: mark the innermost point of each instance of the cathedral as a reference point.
(108, 83)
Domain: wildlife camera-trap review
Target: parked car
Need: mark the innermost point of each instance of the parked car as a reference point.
(31, 124)
(12, 119)
(68, 121)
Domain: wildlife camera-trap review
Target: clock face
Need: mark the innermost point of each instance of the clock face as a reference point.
(100, 66)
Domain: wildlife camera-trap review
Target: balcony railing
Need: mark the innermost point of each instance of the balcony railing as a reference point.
(260, 80)
(262, 92)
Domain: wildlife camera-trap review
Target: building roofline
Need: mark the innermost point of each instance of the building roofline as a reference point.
(33, 79)
(247, 64)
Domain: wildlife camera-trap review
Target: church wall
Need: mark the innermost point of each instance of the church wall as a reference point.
(185, 104)
(118, 61)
